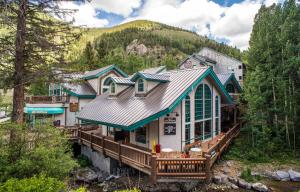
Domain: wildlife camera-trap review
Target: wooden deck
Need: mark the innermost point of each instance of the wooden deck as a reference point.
(46, 99)
(158, 167)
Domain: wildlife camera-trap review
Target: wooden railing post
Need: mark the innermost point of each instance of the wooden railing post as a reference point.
(91, 140)
(119, 152)
(207, 167)
(153, 168)
(79, 134)
(103, 146)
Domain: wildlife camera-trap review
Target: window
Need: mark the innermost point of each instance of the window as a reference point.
(199, 102)
(140, 85)
(105, 86)
(240, 66)
(112, 88)
(141, 135)
(240, 78)
(207, 93)
(187, 119)
(203, 112)
(230, 88)
(217, 110)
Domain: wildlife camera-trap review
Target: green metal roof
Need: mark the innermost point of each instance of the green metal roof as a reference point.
(98, 72)
(129, 114)
(44, 110)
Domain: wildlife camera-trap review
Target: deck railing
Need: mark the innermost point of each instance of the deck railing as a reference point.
(149, 163)
(46, 99)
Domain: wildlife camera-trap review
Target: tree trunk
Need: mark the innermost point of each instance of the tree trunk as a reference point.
(287, 134)
(18, 95)
(275, 106)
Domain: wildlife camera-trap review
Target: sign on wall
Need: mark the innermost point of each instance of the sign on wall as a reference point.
(170, 126)
(74, 107)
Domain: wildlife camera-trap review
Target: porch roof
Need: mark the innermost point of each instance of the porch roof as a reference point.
(225, 78)
(130, 112)
(44, 110)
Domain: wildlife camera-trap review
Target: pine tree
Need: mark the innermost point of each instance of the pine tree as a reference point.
(33, 44)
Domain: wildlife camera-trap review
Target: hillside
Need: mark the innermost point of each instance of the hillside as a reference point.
(139, 44)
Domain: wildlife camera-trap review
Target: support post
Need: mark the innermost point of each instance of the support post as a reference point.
(103, 146)
(207, 167)
(119, 153)
(235, 115)
(79, 135)
(153, 168)
(91, 140)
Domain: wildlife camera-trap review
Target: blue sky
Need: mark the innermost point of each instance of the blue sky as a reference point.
(228, 21)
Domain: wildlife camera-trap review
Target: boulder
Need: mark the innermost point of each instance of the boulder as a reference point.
(233, 180)
(260, 187)
(226, 170)
(217, 179)
(86, 175)
(282, 175)
(294, 175)
(244, 184)
(229, 163)
(233, 186)
(189, 186)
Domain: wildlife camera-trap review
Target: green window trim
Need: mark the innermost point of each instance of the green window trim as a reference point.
(187, 109)
(199, 102)
(187, 133)
(230, 88)
(208, 101)
(141, 86)
(217, 105)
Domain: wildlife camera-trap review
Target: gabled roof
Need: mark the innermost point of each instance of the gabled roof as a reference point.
(98, 72)
(201, 59)
(225, 78)
(130, 112)
(151, 77)
(81, 90)
(216, 52)
(122, 80)
(154, 70)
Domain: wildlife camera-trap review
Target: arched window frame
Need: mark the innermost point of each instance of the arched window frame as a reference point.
(217, 115)
(141, 86)
(105, 85)
(230, 88)
(203, 112)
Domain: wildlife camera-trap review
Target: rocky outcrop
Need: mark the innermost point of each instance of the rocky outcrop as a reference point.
(137, 48)
(244, 184)
(282, 176)
(294, 176)
(260, 187)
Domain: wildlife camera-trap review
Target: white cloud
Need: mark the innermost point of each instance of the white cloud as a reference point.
(120, 7)
(85, 15)
(233, 23)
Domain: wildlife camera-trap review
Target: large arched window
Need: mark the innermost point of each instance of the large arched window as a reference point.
(187, 119)
(230, 88)
(112, 88)
(141, 87)
(203, 112)
(105, 86)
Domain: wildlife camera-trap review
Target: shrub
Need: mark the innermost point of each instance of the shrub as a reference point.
(247, 176)
(83, 161)
(33, 184)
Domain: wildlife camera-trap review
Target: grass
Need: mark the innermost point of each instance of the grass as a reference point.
(247, 176)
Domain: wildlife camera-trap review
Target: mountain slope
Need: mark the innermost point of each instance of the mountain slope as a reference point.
(139, 44)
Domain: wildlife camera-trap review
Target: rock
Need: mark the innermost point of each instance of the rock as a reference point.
(260, 187)
(233, 186)
(233, 180)
(111, 177)
(173, 188)
(136, 47)
(217, 179)
(229, 163)
(295, 176)
(282, 175)
(189, 186)
(224, 178)
(86, 175)
(226, 170)
(243, 184)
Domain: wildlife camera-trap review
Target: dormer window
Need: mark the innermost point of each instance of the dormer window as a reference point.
(112, 88)
(141, 87)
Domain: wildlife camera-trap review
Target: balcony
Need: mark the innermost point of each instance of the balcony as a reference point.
(46, 99)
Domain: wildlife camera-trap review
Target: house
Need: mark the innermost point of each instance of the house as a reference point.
(220, 63)
(170, 108)
(67, 98)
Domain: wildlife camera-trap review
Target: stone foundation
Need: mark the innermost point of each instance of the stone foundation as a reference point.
(98, 160)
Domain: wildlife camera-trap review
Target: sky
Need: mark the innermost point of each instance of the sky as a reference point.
(228, 21)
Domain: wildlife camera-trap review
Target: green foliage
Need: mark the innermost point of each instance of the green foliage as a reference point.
(80, 189)
(83, 161)
(247, 176)
(25, 152)
(33, 184)
(129, 190)
(271, 87)
(166, 45)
